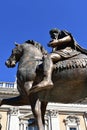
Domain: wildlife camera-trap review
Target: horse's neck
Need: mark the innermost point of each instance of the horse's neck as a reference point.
(32, 51)
(30, 54)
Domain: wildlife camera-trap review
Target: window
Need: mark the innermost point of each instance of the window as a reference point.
(72, 123)
(32, 124)
(73, 128)
(32, 128)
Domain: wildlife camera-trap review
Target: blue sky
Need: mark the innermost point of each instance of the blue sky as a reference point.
(21, 20)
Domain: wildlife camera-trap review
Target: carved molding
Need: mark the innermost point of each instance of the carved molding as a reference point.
(72, 119)
(14, 111)
(53, 113)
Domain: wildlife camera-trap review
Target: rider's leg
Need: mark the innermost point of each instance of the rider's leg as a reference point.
(47, 68)
(55, 57)
(46, 83)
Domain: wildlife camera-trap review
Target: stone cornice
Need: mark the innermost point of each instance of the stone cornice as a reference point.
(67, 107)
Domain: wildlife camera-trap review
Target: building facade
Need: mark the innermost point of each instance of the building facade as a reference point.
(57, 117)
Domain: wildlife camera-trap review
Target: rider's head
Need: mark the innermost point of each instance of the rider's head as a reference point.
(54, 33)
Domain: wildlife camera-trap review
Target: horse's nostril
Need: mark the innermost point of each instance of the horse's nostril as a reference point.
(13, 63)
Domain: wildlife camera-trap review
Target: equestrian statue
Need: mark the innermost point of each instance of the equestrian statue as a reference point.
(59, 76)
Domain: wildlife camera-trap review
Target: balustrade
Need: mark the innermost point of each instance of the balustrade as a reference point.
(7, 85)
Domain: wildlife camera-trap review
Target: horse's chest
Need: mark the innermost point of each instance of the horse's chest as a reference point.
(26, 74)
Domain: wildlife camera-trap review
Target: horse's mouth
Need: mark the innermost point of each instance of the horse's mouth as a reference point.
(10, 64)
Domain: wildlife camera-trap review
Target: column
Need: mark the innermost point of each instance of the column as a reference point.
(54, 121)
(13, 119)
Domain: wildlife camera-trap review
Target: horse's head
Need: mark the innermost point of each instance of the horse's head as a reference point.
(15, 56)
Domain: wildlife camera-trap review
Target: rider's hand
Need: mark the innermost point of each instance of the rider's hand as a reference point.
(53, 43)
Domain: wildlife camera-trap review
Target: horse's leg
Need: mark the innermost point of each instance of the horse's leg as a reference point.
(20, 100)
(15, 101)
(37, 111)
(43, 110)
(38, 107)
(27, 86)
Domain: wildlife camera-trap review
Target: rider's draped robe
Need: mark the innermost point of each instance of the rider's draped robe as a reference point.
(70, 49)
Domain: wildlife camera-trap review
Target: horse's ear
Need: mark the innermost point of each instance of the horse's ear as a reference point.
(16, 44)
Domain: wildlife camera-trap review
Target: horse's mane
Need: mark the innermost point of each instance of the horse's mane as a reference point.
(37, 45)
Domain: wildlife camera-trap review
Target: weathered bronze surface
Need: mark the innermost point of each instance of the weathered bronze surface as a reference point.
(69, 75)
(64, 47)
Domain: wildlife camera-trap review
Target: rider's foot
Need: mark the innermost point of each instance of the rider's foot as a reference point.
(42, 86)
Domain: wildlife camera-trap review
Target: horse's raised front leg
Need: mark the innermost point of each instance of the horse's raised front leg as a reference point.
(27, 86)
(38, 109)
(15, 101)
(20, 100)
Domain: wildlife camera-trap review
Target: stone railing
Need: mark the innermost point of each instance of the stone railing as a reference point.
(8, 89)
(8, 85)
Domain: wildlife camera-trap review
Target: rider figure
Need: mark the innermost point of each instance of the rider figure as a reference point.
(63, 46)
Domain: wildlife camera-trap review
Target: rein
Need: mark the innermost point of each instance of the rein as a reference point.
(35, 59)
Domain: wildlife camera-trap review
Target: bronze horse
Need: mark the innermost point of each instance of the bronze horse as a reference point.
(69, 78)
